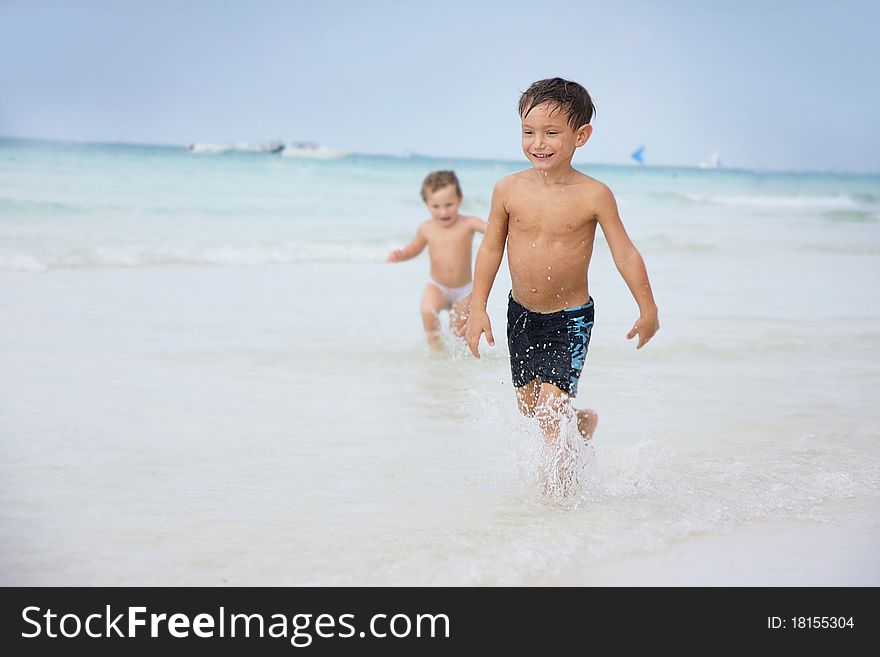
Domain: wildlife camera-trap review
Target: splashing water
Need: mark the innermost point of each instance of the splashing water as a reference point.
(561, 472)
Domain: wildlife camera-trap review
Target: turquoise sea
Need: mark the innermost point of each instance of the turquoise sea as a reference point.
(209, 375)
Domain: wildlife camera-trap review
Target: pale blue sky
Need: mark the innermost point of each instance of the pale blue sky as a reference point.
(772, 84)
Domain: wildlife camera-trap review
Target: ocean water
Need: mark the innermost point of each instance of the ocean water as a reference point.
(209, 375)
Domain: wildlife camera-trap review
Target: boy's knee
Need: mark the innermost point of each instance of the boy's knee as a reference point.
(550, 405)
(525, 408)
(544, 412)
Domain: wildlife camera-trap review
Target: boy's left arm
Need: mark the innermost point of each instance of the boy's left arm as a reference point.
(631, 267)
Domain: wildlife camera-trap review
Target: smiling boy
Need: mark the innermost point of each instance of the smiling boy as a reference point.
(449, 238)
(547, 216)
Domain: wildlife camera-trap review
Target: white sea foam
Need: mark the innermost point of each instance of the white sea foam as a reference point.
(779, 202)
(132, 256)
(21, 262)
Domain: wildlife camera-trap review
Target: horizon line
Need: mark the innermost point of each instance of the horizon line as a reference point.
(414, 155)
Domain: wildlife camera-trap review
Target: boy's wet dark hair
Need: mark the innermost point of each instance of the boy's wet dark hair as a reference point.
(438, 180)
(568, 96)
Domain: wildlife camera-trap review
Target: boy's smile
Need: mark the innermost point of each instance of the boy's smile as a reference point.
(443, 205)
(548, 140)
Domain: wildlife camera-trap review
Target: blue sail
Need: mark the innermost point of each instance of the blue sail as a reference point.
(639, 155)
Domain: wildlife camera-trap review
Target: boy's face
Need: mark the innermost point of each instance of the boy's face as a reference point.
(444, 204)
(548, 140)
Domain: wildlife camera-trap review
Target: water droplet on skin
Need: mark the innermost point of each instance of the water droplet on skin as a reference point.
(533, 244)
(569, 226)
(549, 279)
(534, 289)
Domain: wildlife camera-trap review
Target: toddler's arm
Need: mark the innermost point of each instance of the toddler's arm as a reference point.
(412, 249)
(631, 267)
(479, 225)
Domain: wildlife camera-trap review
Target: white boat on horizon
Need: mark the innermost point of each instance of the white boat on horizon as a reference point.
(713, 163)
(267, 147)
(300, 149)
(239, 146)
(312, 151)
(208, 148)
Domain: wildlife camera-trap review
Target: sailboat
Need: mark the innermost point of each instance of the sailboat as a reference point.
(713, 163)
(639, 155)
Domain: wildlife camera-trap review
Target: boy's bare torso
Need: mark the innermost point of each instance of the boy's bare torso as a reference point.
(450, 249)
(551, 229)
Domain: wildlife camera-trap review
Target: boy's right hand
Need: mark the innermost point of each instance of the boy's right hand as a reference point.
(395, 255)
(477, 324)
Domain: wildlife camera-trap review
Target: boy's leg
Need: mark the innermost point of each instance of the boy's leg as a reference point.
(553, 405)
(549, 403)
(527, 397)
(587, 421)
(550, 407)
(433, 301)
(458, 316)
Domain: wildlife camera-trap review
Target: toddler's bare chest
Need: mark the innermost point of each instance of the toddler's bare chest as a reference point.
(449, 238)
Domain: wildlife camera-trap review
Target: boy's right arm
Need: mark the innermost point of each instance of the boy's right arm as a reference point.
(412, 249)
(488, 260)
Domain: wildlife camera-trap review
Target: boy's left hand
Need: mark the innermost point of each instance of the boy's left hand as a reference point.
(646, 326)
